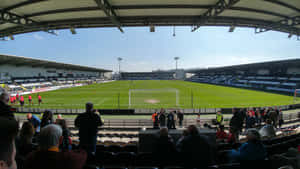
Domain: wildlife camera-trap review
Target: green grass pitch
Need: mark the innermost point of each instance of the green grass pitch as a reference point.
(157, 94)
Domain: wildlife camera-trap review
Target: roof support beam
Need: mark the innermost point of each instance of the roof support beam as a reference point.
(9, 17)
(215, 10)
(284, 5)
(288, 22)
(13, 18)
(109, 11)
(18, 5)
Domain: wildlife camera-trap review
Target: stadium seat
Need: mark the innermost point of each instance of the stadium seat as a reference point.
(101, 147)
(104, 158)
(145, 160)
(114, 148)
(125, 159)
(226, 166)
(130, 148)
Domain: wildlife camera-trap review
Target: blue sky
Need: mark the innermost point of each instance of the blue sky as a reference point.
(146, 51)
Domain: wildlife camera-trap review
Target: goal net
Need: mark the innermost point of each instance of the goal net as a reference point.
(158, 97)
(297, 95)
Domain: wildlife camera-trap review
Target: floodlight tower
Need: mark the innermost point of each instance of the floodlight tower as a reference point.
(119, 60)
(176, 60)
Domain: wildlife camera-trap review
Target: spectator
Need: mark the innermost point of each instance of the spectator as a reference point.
(232, 138)
(236, 122)
(5, 109)
(164, 146)
(66, 141)
(8, 132)
(273, 116)
(250, 119)
(185, 133)
(47, 118)
(88, 124)
(49, 157)
(268, 131)
(35, 121)
(221, 135)
(290, 158)
(219, 118)
(258, 118)
(162, 118)
(171, 120)
(280, 118)
(252, 150)
(25, 139)
(59, 116)
(180, 116)
(196, 150)
(198, 120)
(155, 120)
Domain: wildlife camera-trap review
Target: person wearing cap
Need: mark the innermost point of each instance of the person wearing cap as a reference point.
(5, 109)
(252, 150)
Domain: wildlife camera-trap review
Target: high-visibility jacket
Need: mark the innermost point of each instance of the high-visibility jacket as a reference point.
(154, 117)
(219, 118)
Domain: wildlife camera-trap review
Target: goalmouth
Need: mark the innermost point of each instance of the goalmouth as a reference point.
(164, 97)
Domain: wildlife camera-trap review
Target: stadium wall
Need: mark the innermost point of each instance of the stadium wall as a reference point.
(8, 72)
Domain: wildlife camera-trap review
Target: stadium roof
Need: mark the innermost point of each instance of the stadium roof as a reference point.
(22, 61)
(261, 65)
(21, 16)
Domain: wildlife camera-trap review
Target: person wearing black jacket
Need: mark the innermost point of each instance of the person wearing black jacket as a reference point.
(180, 117)
(162, 118)
(171, 120)
(164, 148)
(195, 150)
(47, 118)
(5, 109)
(237, 121)
(88, 124)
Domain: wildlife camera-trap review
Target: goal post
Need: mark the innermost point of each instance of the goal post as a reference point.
(164, 97)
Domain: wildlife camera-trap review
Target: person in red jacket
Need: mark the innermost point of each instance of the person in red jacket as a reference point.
(17, 96)
(221, 135)
(14, 99)
(30, 99)
(22, 101)
(40, 99)
(11, 99)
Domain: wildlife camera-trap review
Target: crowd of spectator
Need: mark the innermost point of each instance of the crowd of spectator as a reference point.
(169, 120)
(47, 143)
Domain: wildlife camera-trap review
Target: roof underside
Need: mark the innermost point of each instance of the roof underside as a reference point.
(21, 16)
(24, 61)
(253, 66)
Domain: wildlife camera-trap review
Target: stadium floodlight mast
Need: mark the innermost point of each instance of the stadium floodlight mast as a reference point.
(176, 60)
(119, 60)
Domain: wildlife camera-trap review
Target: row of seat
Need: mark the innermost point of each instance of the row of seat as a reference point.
(115, 135)
(113, 148)
(149, 161)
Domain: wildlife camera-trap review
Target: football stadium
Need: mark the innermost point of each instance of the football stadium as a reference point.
(65, 104)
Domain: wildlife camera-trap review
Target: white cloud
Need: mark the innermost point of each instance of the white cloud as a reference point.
(38, 37)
